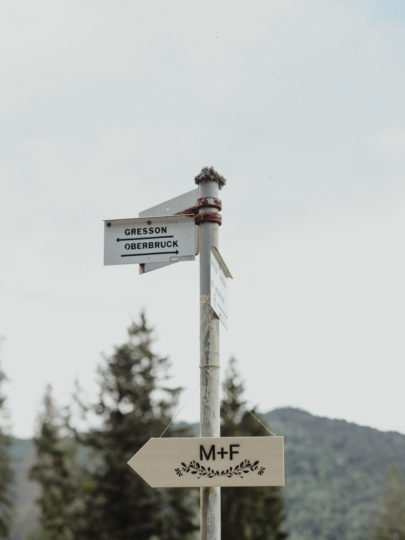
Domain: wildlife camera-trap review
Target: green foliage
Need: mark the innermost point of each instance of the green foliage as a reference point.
(6, 470)
(40, 534)
(134, 404)
(54, 471)
(252, 513)
(388, 521)
(334, 473)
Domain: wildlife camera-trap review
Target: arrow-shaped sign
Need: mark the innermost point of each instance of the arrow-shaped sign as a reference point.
(208, 461)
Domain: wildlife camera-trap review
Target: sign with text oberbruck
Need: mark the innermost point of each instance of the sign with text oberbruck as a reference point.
(149, 240)
(209, 461)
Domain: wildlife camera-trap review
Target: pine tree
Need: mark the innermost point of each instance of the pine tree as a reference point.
(388, 522)
(54, 471)
(6, 471)
(253, 513)
(134, 404)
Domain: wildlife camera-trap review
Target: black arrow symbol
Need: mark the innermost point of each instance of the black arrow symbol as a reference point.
(144, 238)
(146, 254)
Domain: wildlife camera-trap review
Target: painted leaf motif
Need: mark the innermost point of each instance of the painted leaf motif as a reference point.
(196, 468)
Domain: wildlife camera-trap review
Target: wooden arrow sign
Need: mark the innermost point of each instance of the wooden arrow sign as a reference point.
(208, 461)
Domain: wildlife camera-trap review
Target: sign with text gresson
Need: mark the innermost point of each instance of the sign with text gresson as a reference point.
(209, 461)
(219, 290)
(146, 240)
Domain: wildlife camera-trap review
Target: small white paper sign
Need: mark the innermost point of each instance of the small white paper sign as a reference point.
(219, 290)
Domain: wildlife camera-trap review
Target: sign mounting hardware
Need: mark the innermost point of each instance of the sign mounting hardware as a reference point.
(149, 240)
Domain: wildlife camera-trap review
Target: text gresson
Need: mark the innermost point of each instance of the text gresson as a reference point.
(145, 230)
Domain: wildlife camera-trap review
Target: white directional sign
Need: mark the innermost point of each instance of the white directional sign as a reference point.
(182, 204)
(209, 461)
(219, 291)
(146, 240)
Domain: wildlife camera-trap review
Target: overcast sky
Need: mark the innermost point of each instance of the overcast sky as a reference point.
(108, 108)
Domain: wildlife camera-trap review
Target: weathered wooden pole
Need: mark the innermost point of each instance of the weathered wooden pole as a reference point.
(209, 219)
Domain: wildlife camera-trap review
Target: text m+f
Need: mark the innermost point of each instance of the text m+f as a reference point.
(213, 452)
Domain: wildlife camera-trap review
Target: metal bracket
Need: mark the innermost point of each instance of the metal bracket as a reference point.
(208, 217)
(209, 202)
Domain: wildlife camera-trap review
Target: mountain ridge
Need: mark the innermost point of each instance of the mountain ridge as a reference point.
(335, 473)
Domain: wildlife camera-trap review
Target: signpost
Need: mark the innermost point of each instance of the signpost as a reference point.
(209, 220)
(162, 235)
(207, 462)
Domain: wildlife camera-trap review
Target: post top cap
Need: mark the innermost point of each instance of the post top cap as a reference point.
(209, 174)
